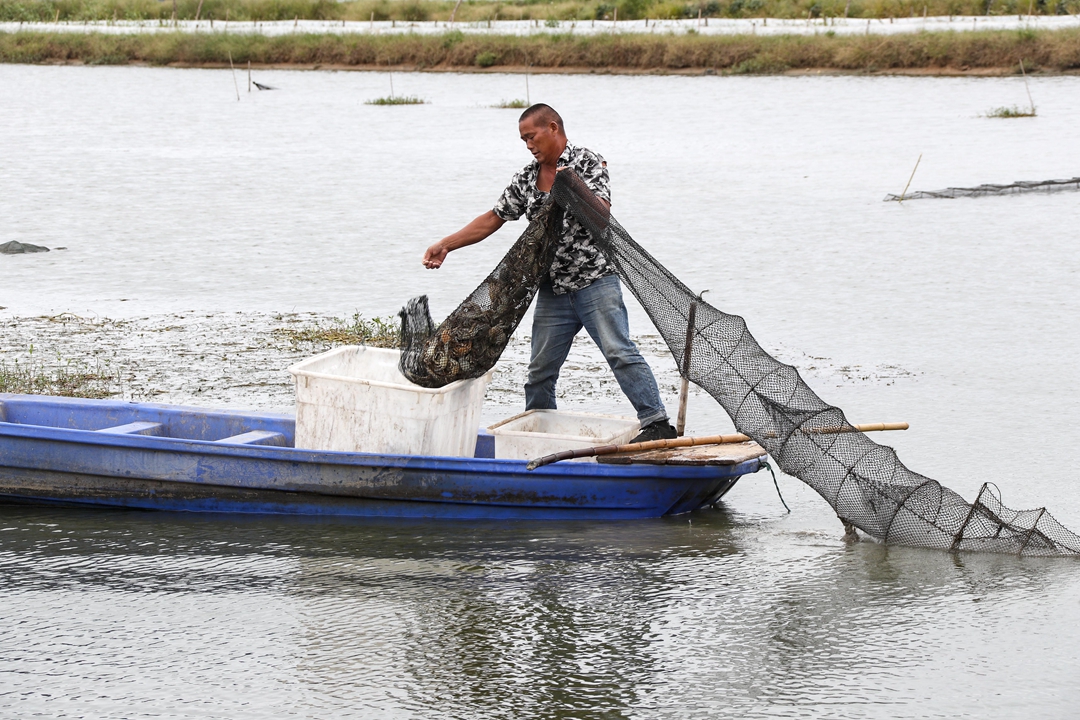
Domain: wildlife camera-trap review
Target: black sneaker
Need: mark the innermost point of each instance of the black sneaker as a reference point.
(659, 430)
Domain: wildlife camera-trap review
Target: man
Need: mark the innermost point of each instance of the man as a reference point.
(582, 290)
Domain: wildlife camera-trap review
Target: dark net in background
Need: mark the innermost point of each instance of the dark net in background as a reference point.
(1020, 186)
(865, 483)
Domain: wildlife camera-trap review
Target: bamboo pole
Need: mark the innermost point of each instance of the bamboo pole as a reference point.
(693, 442)
(904, 194)
(1027, 87)
(684, 385)
(235, 84)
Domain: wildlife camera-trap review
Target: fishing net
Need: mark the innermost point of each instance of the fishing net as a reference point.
(865, 483)
(1021, 186)
(472, 338)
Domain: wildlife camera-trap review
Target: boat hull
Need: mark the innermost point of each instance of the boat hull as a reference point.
(66, 462)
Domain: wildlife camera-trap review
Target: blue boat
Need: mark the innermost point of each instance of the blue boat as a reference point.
(109, 453)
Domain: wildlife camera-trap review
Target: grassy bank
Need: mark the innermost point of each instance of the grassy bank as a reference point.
(481, 10)
(1047, 51)
(376, 332)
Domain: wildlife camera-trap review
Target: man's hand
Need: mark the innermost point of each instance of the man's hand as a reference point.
(435, 255)
(474, 232)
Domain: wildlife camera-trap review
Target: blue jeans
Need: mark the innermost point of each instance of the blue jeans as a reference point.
(600, 310)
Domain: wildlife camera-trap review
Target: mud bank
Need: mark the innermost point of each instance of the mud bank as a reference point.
(240, 360)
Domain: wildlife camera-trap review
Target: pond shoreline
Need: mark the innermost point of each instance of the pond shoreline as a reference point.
(585, 70)
(977, 53)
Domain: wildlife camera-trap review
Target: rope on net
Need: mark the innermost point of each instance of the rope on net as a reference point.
(864, 482)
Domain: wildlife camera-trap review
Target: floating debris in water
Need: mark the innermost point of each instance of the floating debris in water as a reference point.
(263, 87)
(1020, 186)
(17, 248)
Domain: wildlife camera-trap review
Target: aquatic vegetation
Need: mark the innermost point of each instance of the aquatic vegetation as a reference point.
(396, 100)
(376, 332)
(64, 378)
(1011, 112)
(518, 104)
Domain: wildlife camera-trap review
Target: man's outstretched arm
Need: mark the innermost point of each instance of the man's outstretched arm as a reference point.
(472, 233)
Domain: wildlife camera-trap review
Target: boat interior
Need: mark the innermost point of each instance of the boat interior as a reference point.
(168, 421)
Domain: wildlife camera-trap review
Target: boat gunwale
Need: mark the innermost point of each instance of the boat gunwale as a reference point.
(47, 433)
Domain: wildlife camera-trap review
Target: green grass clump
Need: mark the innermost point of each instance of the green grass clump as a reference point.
(486, 58)
(66, 379)
(1011, 112)
(376, 332)
(396, 100)
(511, 104)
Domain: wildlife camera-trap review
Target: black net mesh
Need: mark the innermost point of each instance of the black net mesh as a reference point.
(1020, 186)
(865, 483)
(472, 338)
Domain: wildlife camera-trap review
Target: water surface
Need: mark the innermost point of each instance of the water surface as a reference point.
(960, 317)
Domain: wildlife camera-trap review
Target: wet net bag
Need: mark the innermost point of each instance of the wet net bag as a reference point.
(865, 483)
(473, 337)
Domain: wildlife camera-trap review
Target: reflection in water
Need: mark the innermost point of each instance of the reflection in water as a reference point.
(134, 614)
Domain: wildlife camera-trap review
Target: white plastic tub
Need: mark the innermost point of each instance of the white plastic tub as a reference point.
(536, 433)
(355, 399)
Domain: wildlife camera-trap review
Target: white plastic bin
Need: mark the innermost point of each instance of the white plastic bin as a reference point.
(536, 433)
(355, 399)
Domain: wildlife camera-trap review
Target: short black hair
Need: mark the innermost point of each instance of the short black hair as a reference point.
(543, 112)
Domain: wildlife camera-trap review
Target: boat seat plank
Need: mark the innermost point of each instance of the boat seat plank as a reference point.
(726, 454)
(256, 437)
(135, 428)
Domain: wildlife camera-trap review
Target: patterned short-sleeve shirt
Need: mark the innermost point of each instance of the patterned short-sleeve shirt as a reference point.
(578, 262)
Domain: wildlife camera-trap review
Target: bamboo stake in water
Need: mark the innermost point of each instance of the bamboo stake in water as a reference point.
(1026, 87)
(235, 84)
(910, 178)
(249, 76)
(693, 442)
(528, 101)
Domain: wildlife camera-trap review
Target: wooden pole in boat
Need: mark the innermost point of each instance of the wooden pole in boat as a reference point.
(684, 387)
(692, 442)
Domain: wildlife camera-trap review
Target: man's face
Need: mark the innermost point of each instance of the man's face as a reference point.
(542, 139)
